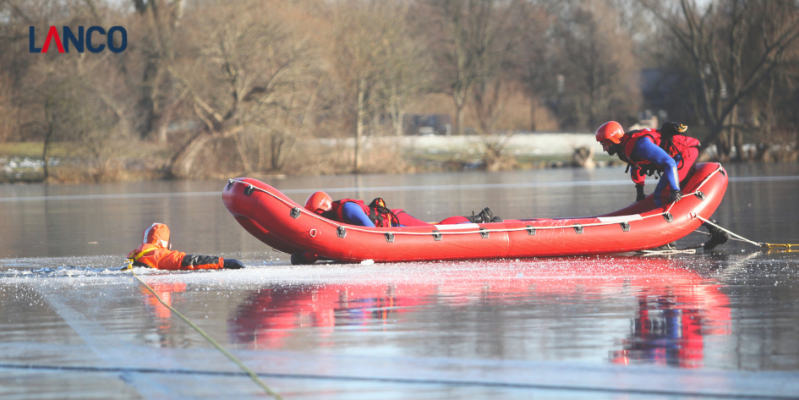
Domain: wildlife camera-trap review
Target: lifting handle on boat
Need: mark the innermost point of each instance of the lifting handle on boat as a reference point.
(578, 228)
(248, 190)
(229, 184)
(484, 233)
(389, 237)
(700, 195)
(668, 217)
(341, 232)
(530, 230)
(437, 235)
(295, 212)
(625, 226)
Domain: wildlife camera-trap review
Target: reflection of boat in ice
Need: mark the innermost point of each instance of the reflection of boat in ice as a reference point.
(274, 316)
(286, 226)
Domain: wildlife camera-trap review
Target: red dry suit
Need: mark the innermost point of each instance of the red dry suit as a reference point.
(154, 252)
(683, 149)
(381, 216)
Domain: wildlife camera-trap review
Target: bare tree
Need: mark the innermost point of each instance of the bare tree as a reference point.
(360, 30)
(597, 62)
(405, 64)
(533, 60)
(467, 34)
(733, 47)
(161, 19)
(245, 64)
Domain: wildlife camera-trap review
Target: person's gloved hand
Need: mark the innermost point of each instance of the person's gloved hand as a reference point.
(230, 263)
(675, 196)
(641, 195)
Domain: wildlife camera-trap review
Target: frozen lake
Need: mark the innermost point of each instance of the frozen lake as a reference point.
(717, 325)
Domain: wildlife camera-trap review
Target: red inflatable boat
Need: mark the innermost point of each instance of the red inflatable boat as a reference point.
(286, 226)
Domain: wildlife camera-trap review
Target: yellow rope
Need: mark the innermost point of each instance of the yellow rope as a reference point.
(778, 245)
(233, 358)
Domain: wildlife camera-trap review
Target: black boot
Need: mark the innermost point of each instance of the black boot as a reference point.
(486, 215)
(717, 236)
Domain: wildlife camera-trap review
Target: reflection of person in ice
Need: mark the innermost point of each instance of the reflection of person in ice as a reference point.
(163, 314)
(668, 328)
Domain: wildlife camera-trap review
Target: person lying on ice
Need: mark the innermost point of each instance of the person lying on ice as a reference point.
(667, 151)
(156, 252)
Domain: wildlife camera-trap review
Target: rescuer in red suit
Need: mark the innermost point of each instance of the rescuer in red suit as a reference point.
(354, 212)
(156, 252)
(375, 214)
(667, 151)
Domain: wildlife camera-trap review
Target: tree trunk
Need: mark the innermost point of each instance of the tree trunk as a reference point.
(458, 119)
(182, 161)
(46, 146)
(722, 143)
(146, 104)
(736, 135)
(398, 124)
(245, 162)
(396, 110)
(359, 123)
(533, 107)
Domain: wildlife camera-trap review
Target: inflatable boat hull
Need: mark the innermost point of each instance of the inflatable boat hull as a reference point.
(285, 225)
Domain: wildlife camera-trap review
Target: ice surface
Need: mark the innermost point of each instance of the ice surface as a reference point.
(74, 326)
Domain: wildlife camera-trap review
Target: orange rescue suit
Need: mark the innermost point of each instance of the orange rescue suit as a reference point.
(155, 252)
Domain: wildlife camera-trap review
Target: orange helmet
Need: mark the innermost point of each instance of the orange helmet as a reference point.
(319, 202)
(611, 130)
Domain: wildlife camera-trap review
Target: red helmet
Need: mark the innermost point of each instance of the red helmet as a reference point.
(611, 130)
(319, 202)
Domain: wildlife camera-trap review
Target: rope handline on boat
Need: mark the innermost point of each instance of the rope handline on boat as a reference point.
(211, 340)
(617, 220)
(743, 239)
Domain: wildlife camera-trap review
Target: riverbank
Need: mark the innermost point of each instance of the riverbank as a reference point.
(140, 161)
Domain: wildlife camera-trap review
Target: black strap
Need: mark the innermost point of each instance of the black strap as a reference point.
(377, 209)
(192, 260)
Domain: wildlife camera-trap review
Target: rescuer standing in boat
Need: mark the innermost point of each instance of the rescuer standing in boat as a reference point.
(667, 151)
(156, 252)
(650, 150)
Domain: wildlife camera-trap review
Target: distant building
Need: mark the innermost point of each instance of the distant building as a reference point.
(427, 124)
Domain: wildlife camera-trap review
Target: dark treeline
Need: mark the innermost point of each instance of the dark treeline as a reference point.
(211, 87)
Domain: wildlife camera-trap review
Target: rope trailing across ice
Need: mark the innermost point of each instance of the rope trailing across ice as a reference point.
(211, 340)
(743, 239)
(616, 220)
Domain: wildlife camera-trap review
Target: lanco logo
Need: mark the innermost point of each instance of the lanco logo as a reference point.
(84, 36)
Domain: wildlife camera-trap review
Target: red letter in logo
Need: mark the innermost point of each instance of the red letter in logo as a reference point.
(52, 34)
